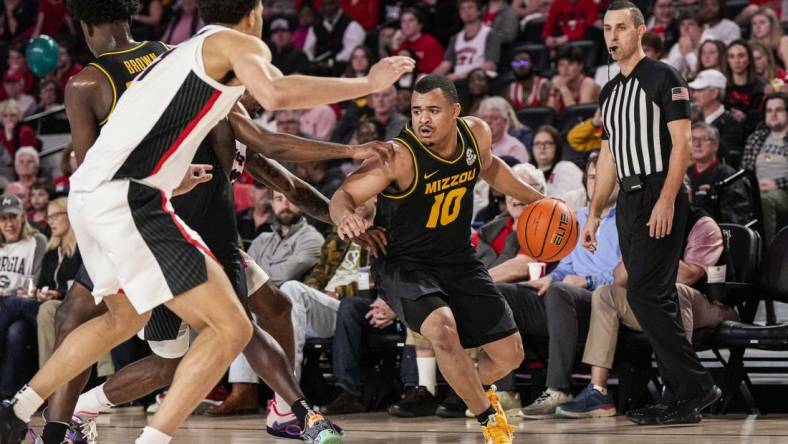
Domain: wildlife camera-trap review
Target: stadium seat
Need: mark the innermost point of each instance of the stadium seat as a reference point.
(589, 49)
(575, 114)
(734, 7)
(537, 116)
(532, 32)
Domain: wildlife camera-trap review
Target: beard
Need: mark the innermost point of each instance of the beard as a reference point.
(287, 218)
(523, 75)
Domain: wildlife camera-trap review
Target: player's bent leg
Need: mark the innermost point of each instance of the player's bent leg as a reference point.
(497, 359)
(272, 309)
(224, 330)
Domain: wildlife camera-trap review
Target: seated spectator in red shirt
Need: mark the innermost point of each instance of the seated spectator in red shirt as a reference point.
(68, 164)
(51, 18)
(528, 89)
(365, 12)
(66, 68)
(568, 21)
(18, 20)
(570, 87)
(427, 50)
(662, 22)
(14, 86)
(15, 134)
(17, 62)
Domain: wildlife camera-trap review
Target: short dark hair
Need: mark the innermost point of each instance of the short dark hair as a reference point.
(689, 15)
(43, 184)
(435, 81)
(570, 53)
(776, 95)
(416, 12)
(654, 41)
(637, 15)
(96, 13)
(228, 12)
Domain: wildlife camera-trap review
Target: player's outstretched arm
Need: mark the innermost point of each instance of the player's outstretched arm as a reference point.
(495, 171)
(289, 148)
(249, 59)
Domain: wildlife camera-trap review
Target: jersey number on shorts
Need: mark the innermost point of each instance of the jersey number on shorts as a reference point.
(446, 207)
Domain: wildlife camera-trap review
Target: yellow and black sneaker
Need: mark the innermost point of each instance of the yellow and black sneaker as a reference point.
(497, 430)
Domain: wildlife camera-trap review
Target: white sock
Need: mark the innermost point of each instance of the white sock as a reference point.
(600, 389)
(94, 400)
(281, 405)
(427, 367)
(26, 402)
(153, 436)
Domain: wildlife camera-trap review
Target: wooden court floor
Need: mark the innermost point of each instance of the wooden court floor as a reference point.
(380, 428)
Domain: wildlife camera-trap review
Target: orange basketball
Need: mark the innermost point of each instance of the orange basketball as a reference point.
(548, 230)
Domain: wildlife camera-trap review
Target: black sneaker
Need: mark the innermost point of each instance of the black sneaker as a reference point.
(687, 411)
(646, 415)
(451, 407)
(418, 401)
(344, 404)
(12, 429)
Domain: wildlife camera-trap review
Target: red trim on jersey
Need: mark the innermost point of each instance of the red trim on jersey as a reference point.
(186, 131)
(183, 231)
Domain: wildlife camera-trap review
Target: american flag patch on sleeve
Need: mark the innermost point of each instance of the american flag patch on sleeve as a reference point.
(680, 93)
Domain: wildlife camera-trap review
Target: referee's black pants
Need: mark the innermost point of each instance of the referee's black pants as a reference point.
(652, 266)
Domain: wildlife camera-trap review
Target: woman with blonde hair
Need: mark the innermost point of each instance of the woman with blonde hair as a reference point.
(59, 267)
(766, 29)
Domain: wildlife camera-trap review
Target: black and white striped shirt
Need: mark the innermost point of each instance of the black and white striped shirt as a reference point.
(635, 115)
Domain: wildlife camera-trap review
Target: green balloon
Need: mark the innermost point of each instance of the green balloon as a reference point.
(42, 55)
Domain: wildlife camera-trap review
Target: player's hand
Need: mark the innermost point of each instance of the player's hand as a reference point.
(738, 115)
(541, 285)
(197, 174)
(589, 233)
(660, 224)
(383, 151)
(352, 225)
(387, 71)
(374, 240)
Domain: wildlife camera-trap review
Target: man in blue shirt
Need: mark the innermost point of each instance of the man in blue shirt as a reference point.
(558, 305)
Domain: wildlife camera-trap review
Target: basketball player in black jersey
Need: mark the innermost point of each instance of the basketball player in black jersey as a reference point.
(429, 274)
(91, 97)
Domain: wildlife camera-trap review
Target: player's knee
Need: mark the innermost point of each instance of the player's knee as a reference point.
(441, 332)
(237, 334)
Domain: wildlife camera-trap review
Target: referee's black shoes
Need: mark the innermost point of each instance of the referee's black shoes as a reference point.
(682, 411)
(12, 429)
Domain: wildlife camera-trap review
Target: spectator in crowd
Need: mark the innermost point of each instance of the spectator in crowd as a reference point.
(185, 22)
(564, 178)
(17, 61)
(765, 68)
(366, 13)
(708, 91)
(744, 95)
(569, 21)
(609, 307)
(40, 194)
(19, 18)
(287, 253)
(66, 68)
(501, 18)
(384, 109)
(662, 22)
(732, 204)
(360, 62)
(48, 100)
(767, 29)
(558, 305)
(528, 89)
(369, 130)
(425, 48)
(653, 46)
(14, 86)
(284, 55)
(26, 166)
(318, 122)
(529, 10)
(68, 164)
(711, 55)
(496, 111)
(586, 135)
(21, 192)
(58, 270)
(332, 37)
(715, 25)
(306, 18)
(145, 24)
(15, 134)
(51, 18)
(766, 153)
(22, 249)
(475, 46)
(479, 87)
(288, 122)
(258, 218)
(570, 87)
(684, 54)
(404, 96)
(315, 301)
(47, 97)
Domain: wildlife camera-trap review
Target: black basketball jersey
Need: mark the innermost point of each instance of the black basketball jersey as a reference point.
(431, 220)
(121, 67)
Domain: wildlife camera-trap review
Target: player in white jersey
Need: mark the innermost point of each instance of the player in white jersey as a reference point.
(139, 252)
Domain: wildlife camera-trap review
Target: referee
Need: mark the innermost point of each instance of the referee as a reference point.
(646, 142)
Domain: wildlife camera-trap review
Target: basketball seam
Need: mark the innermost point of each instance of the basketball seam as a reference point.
(547, 229)
(574, 228)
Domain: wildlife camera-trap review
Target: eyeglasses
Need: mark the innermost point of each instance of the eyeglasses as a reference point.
(544, 144)
(520, 64)
(57, 215)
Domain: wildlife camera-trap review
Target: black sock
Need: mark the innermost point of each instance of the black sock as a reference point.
(484, 417)
(486, 387)
(54, 432)
(300, 409)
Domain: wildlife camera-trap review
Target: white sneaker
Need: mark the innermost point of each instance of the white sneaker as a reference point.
(545, 405)
(281, 425)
